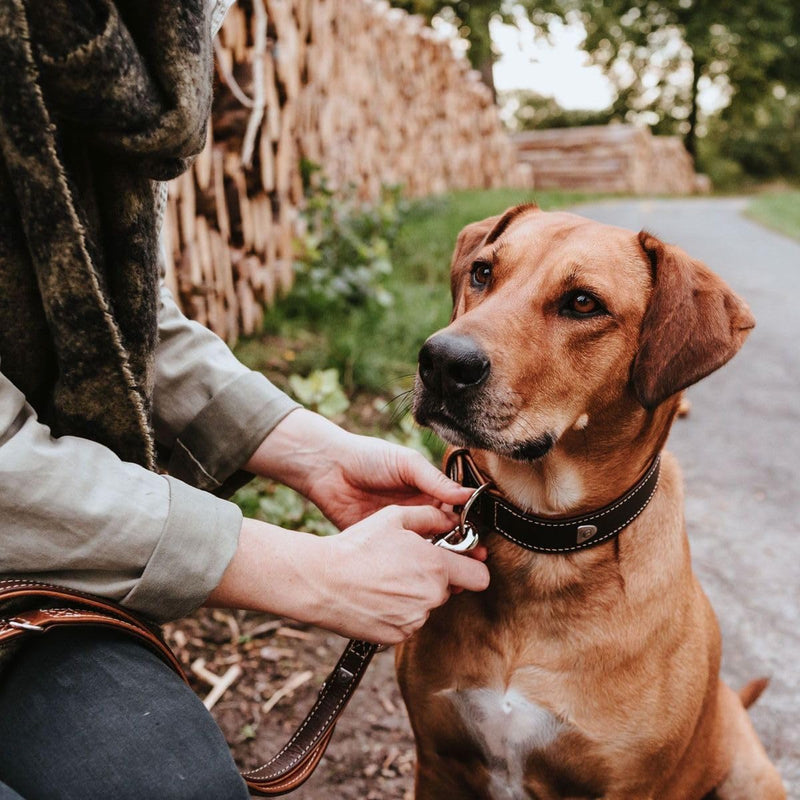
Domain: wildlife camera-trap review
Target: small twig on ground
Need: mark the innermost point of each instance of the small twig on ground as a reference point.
(276, 653)
(293, 682)
(388, 706)
(264, 627)
(230, 621)
(219, 683)
(391, 756)
(292, 633)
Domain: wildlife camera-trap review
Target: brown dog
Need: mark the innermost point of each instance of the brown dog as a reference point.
(591, 673)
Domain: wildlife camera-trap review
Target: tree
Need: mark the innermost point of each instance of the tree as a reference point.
(660, 53)
(472, 20)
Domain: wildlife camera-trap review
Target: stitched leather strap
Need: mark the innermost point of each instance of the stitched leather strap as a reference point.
(491, 512)
(300, 755)
(284, 772)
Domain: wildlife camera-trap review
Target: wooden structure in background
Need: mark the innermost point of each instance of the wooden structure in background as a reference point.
(366, 91)
(608, 158)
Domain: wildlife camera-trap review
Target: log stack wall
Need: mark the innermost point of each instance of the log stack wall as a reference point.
(623, 159)
(367, 92)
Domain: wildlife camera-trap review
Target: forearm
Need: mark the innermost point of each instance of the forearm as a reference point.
(299, 447)
(274, 570)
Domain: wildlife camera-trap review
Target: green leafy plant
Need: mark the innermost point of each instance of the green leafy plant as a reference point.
(344, 256)
(321, 391)
(280, 505)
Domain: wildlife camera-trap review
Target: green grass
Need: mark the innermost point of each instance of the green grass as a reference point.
(778, 210)
(374, 348)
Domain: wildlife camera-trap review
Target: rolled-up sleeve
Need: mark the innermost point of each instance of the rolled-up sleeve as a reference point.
(210, 411)
(74, 514)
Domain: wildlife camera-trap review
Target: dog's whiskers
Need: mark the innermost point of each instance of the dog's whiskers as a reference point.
(400, 406)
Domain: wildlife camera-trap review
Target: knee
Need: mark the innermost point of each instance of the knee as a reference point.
(114, 723)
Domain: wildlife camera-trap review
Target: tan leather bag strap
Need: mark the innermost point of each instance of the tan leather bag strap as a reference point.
(283, 773)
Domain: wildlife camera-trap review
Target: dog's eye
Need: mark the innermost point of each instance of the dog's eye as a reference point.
(581, 304)
(481, 274)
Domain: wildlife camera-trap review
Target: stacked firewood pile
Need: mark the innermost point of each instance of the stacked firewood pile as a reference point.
(367, 92)
(673, 169)
(614, 158)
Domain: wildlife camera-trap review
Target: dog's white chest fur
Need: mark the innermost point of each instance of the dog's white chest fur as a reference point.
(507, 727)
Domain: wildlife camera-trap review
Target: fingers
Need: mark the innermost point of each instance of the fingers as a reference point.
(479, 553)
(424, 520)
(417, 471)
(461, 573)
(465, 573)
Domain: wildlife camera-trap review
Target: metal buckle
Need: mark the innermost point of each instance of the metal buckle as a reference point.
(22, 625)
(463, 537)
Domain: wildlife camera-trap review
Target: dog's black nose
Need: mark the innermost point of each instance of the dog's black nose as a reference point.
(449, 362)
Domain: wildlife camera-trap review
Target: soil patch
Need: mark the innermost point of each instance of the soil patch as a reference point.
(371, 755)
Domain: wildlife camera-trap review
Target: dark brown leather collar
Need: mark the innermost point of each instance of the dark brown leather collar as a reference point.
(491, 511)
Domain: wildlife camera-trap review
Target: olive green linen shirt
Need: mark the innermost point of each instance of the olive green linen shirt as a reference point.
(73, 513)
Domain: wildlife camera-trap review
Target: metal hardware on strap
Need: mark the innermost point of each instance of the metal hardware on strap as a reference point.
(22, 625)
(463, 537)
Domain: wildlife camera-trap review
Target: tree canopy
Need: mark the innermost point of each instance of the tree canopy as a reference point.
(663, 55)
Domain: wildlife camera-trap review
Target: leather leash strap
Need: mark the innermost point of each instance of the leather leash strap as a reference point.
(45, 607)
(281, 774)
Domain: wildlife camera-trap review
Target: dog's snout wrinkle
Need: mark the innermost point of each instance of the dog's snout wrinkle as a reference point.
(451, 362)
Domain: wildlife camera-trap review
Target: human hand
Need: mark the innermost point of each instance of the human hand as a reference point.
(385, 579)
(348, 476)
(378, 580)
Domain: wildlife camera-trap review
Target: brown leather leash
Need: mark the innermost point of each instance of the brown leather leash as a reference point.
(44, 607)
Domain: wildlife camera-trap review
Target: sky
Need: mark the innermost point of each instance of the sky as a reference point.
(560, 69)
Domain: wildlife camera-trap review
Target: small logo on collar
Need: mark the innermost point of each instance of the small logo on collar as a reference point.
(585, 532)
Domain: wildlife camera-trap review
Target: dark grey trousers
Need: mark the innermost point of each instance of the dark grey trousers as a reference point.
(91, 715)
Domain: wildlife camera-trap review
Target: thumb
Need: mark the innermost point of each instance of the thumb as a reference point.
(418, 471)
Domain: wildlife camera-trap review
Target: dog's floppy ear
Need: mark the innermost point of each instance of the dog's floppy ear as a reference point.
(693, 325)
(469, 240)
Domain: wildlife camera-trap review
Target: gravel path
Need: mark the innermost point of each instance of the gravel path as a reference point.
(740, 453)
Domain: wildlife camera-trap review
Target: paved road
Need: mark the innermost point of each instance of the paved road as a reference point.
(740, 453)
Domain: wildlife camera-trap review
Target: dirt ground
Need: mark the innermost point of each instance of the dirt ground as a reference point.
(371, 755)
